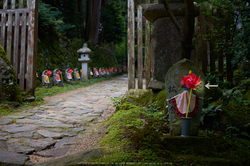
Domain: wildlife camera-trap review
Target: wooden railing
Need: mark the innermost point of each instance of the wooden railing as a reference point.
(18, 38)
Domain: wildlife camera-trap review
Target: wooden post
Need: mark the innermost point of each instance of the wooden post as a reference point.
(196, 41)
(139, 46)
(203, 42)
(147, 51)
(3, 25)
(131, 45)
(16, 42)
(31, 51)
(211, 27)
(9, 37)
(220, 53)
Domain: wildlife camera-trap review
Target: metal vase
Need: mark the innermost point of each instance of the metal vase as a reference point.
(185, 126)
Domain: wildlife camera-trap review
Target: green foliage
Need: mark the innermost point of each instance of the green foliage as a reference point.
(211, 95)
(112, 23)
(210, 111)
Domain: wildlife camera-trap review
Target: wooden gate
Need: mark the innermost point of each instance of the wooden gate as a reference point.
(132, 9)
(19, 39)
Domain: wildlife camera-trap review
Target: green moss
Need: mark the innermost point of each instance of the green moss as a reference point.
(211, 95)
(3, 55)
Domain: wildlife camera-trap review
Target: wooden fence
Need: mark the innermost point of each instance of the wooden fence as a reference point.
(204, 26)
(132, 9)
(18, 38)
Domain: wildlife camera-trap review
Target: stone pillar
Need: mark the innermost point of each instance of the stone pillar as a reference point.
(85, 60)
(166, 40)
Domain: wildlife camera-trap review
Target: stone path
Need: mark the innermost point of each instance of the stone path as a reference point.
(51, 129)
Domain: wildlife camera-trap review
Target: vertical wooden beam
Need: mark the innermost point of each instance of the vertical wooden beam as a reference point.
(13, 4)
(131, 44)
(139, 47)
(203, 42)
(31, 52)
(16, 42)
(21, 76)
(196, 41)
(9, 37)
(3, 25)
(147, 51)
(211, 27)
(220, 53)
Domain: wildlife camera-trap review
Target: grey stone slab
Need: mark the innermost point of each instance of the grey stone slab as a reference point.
(40, 144)
(23, 135)
(16, 117)
(12, 158)
(2, 134)
(83, 111)
(35, 117)
(69, 109)
(71, 114)
(16, 129)
(55, 124)
(49, 134)
(86, 105)
(5, 121)
(18, 147)
(25, 121)
(25, 114)
(72, 106)
(3, 145)
(93, 102)
(53, 103)
(98, 112)
(64, 141)
(94, 115)
(78, 129)
(32, 111)
(55, 152)
(60, 106)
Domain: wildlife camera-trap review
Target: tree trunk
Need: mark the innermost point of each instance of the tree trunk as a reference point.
(88, 19)
(95, 22)
(81, 19)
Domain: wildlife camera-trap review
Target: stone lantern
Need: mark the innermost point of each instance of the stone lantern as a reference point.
(85, 60)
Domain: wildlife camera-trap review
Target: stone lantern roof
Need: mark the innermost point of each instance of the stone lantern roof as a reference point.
(84, 50)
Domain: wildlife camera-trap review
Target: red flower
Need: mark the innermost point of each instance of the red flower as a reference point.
(48, 72)
(190, 80)
(70, 71)
(60, 72)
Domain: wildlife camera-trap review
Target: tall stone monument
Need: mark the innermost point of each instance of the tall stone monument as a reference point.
(174, 87)
(166, 40)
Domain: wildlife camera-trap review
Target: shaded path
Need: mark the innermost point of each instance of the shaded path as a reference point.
(55, 129)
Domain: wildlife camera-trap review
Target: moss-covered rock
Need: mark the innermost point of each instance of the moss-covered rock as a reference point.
(211, 95)
(10, 89)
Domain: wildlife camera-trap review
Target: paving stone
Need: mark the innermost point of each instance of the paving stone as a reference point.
(3, 145)
(40, 144)
(86, 105)
(69, 109)
(23, 135)
(53, 103)
(99, 112)
(2, 134)
(15, 117)
(55, 152)
(71, 106)
(64, 141)
(93, 115)
(25, 121)
(18, 147)
(9, 158)
(35, 117)
(83, 111)
(71, 114)
(5, 121)
(16, 129)
(49, 134)
(55, 124)
(93, 102)
(60, 106)
(26, 114)
(32, 111)
(78, 129)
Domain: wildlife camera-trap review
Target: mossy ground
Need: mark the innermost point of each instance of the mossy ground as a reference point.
(137, 132)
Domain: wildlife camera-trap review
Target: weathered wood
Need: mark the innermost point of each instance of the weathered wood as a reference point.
(196, 42)
(212, 52)
(23, 52)
(147, 51)
(220, 53)
(13, 4)
(16, 43)
(31, 50)
(145, 6)
(9, 37)
(14, 10)
(203, 42)
(131, 45)
(20, 4)
(3, 24)
(139, 47)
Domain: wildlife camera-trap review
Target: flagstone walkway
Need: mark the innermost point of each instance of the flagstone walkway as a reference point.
(57, 127)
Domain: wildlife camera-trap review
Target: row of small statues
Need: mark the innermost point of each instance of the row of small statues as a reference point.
(56, 76)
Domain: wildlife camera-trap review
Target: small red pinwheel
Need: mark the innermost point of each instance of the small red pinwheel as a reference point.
(60, 72)
(94, 69)
(48, 72)
(191, 81)
(70, 71)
